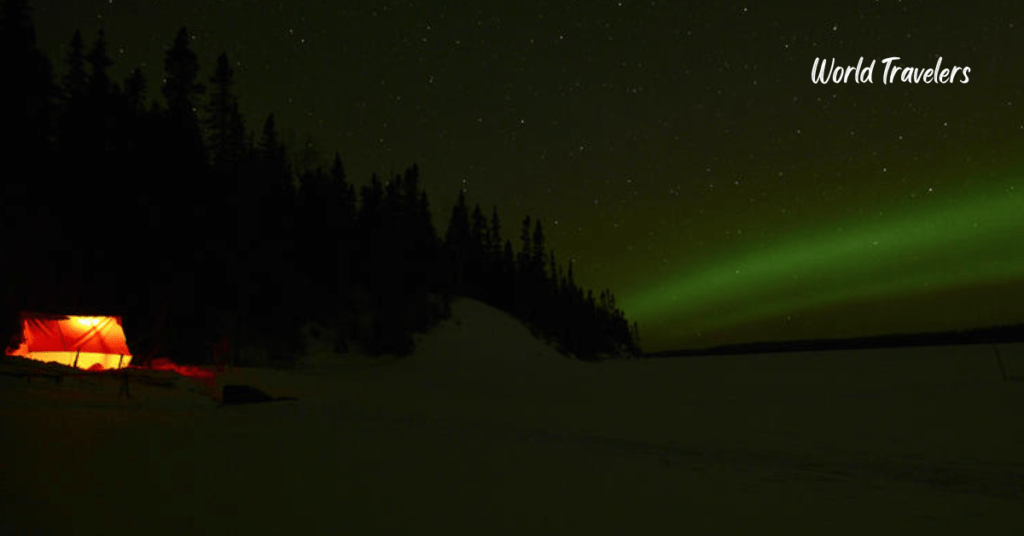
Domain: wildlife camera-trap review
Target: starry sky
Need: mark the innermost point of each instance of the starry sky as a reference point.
(680, 155)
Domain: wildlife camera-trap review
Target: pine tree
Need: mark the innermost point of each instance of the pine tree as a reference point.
(553, 271)
(538, 253)
(481, 235)
(526, 251)
(225, 136)
(372, 201)
(74, 83)
(495, 234)
(135, 92)
(181, 139)
(104, 113)
(272, 241)
(224, 125)
(457, 242)
(458, 233)
(419, 234)
(368, 223)
(508, 272)
(273, 157)
(344, 194)
(76, 135)
(508, 257)
(343, 215)
(181, 88)
(99, 85)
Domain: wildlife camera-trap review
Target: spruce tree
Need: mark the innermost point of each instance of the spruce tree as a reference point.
(74, 83)
(135, 92)
(225, 129)
(526, 248)
(538, 252)
(181, 87)
(458, 234)
(481, 234)
(99, 85)
(495, 234)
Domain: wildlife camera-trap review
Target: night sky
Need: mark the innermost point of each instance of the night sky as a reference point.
(681, 155)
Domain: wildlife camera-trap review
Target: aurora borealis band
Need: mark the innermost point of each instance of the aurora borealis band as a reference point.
(960, 244)
(679, 154)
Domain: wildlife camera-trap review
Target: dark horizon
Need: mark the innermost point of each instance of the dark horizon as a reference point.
(1006, 334)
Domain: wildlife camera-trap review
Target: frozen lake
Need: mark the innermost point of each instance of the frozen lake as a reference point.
(487, 430)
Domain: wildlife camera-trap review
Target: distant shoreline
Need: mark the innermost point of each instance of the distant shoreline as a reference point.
(992, 335)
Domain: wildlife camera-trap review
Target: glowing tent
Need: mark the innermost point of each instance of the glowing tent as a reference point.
(88, 342)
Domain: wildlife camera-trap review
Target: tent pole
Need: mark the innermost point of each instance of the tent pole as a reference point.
(76, 357)
(120, 360)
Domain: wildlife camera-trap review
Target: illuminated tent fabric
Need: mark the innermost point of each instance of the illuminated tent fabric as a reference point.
(92, 340)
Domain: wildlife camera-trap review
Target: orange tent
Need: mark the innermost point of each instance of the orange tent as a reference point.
(82, 341)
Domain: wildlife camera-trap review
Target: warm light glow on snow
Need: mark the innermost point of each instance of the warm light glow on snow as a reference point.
(86, 360)
(205, 376)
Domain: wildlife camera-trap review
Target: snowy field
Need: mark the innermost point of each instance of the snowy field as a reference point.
(487, 431)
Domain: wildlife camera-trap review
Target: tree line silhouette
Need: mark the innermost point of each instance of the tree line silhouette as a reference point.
(203, 235)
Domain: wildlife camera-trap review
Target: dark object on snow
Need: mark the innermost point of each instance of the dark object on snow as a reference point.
(244, 394)
(247, 394)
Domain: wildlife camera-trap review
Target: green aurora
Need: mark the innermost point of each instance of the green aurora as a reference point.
(953, 244)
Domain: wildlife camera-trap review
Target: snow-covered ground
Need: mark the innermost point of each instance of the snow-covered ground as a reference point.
(486, 430)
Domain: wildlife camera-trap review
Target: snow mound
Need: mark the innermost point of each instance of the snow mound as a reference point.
(481, 339)
(477, 341)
